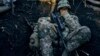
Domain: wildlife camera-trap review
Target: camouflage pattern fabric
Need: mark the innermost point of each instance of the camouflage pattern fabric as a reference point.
(75, 35)
(45, 33)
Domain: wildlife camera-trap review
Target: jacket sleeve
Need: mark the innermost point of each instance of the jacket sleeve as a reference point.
(71, 21)
(78, 35)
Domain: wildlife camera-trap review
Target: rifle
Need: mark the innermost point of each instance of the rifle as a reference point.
(55, 18)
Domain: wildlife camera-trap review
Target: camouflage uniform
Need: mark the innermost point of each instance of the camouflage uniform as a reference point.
(74, 34)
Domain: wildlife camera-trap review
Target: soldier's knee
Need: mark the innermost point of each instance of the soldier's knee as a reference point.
(85, 33)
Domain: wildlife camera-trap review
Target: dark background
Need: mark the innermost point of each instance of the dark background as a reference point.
(15, 30)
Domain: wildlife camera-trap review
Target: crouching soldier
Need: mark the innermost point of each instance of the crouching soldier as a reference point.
(72, 34)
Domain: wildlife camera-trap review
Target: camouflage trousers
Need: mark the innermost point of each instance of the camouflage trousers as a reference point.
(46, 32)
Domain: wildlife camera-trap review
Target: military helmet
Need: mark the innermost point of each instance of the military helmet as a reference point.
(63, 3)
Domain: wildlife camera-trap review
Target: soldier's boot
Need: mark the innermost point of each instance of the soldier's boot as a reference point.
(80, 37)
(45, 33)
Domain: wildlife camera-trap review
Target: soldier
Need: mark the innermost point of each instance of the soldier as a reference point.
(45, 33)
